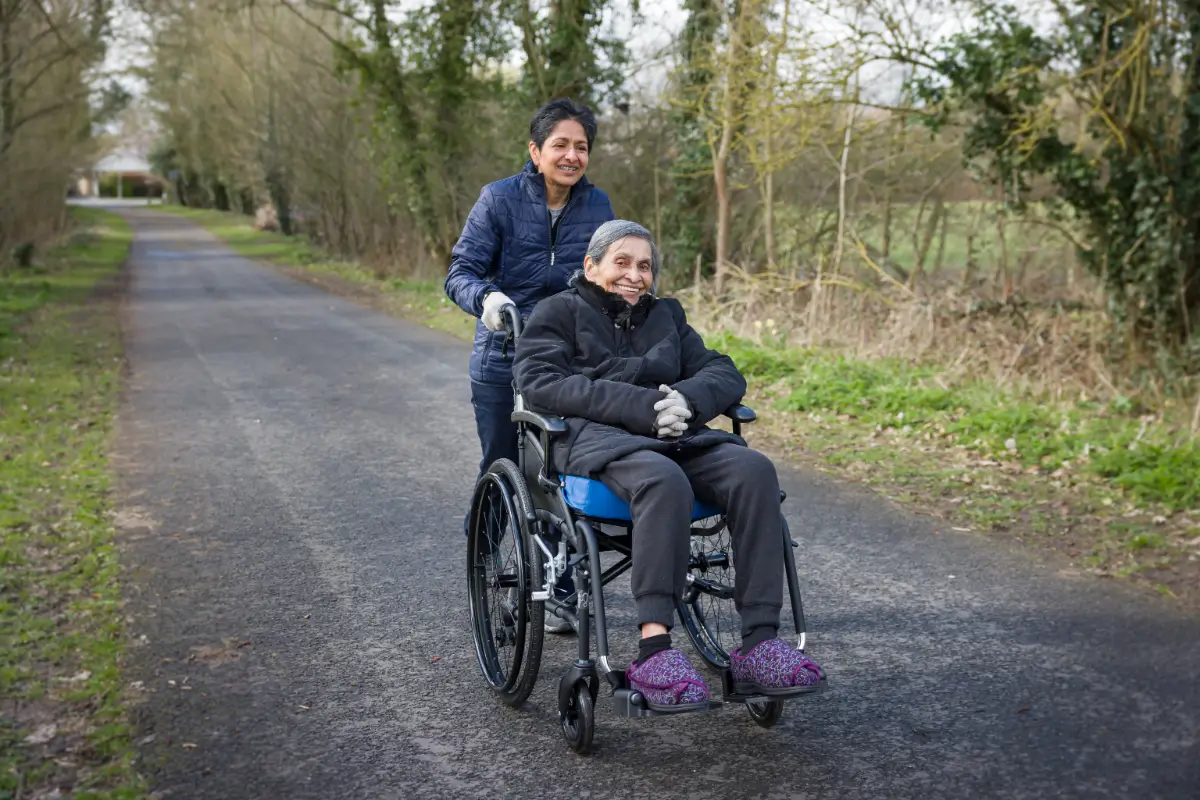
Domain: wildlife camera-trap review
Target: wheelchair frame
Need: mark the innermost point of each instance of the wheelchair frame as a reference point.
(543, 503)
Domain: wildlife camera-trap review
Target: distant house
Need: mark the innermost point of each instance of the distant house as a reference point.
(129, 174)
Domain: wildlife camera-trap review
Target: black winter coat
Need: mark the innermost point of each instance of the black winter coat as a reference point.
(594, 359)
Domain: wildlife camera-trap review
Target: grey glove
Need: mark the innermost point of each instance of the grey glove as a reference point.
(673, 414)
(493, 320)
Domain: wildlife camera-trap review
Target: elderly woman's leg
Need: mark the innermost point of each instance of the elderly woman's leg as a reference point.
(744, 483)
(660, 502)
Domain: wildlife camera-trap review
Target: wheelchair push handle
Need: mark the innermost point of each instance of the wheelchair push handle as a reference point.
(512, 320)
(512, 327)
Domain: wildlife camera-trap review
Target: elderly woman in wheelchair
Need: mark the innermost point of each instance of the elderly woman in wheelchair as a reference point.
(615, 390)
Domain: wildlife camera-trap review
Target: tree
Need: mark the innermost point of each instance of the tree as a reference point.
(1127, 73)
(686, 215)
(47, 54)
(566, 52)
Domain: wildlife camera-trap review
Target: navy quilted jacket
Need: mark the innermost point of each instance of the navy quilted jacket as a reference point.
(506, 246)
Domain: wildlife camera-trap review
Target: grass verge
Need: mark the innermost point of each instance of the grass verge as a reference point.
(1108, 488)
(62, 723)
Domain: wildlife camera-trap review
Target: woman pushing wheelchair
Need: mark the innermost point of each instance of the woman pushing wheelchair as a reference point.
(637, 387)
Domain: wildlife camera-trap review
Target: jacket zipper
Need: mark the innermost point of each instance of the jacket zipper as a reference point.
(554, 234)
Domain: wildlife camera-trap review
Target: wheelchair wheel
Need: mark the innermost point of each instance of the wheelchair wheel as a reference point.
(505, 622)
(579, 720)
(765, 712)
(707, 611)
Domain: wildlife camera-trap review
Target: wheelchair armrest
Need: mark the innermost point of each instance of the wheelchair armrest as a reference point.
(548, 428)
(740, 413)
(551, 425)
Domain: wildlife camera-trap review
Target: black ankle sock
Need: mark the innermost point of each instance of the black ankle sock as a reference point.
(757, 636)
(653, 645)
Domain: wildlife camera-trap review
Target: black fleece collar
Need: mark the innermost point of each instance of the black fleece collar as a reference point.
(612, 305)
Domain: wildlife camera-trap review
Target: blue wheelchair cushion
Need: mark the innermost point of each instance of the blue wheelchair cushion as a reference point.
(592, 498)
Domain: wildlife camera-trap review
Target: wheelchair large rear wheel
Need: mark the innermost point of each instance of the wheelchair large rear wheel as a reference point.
(707, 610)
(502, 573)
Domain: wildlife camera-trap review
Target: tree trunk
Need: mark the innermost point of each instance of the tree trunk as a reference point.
(939, 261)
(570, 55)
(769, 218)
(886, 246)
(931, 227)
(733, 83)
(1002, 272)
(720, 179)
(768, 123)
(8, 103)
(895, 148)
(657, 206)
(839, 245)
(534, 61)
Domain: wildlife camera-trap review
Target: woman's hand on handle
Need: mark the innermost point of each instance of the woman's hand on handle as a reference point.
(493, 310)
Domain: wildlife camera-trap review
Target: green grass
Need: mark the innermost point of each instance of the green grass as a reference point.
(61, 631)
(1153, 466)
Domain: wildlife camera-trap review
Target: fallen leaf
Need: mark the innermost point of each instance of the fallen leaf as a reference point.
(435, 659)
(41, 734)
(1022, 709)
(216, 655)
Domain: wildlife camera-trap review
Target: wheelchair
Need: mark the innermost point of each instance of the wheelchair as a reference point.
(528, 524)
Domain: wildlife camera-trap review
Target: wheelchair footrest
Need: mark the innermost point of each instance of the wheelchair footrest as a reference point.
(630, 703)
(730, 694)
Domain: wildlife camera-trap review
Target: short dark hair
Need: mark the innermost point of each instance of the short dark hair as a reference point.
(562, 108)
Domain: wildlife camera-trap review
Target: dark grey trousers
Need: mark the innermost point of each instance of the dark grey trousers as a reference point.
(660, 490)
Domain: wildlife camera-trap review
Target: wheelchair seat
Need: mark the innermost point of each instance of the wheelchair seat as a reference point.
(592, 498)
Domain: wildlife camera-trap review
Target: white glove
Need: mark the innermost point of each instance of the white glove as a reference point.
(493, 320)
(673, 414)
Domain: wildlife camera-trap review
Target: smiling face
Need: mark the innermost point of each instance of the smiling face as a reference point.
(563, 157)
(625, 270)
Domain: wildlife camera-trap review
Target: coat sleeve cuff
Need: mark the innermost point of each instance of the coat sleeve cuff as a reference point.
(639, 415)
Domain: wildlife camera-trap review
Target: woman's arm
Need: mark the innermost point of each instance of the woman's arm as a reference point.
(711, 381)
(542, 371)
(473, 257)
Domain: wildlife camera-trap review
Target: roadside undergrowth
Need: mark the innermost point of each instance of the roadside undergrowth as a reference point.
(1001, 418)
(63, 730)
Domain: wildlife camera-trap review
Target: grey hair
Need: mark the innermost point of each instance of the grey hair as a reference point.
(614, 231)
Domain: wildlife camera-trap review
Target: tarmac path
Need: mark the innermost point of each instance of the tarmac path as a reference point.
(294, 469)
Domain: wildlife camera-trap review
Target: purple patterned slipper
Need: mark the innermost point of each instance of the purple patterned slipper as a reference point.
(774, 667)
(668, 679)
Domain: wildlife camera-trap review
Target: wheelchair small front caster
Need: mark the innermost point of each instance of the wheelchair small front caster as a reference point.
(765, 712)
(579, 719)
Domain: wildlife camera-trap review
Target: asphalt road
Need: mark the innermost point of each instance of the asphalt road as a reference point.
(294, 468)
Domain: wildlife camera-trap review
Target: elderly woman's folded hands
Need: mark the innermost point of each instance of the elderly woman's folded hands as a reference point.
(673, 413)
